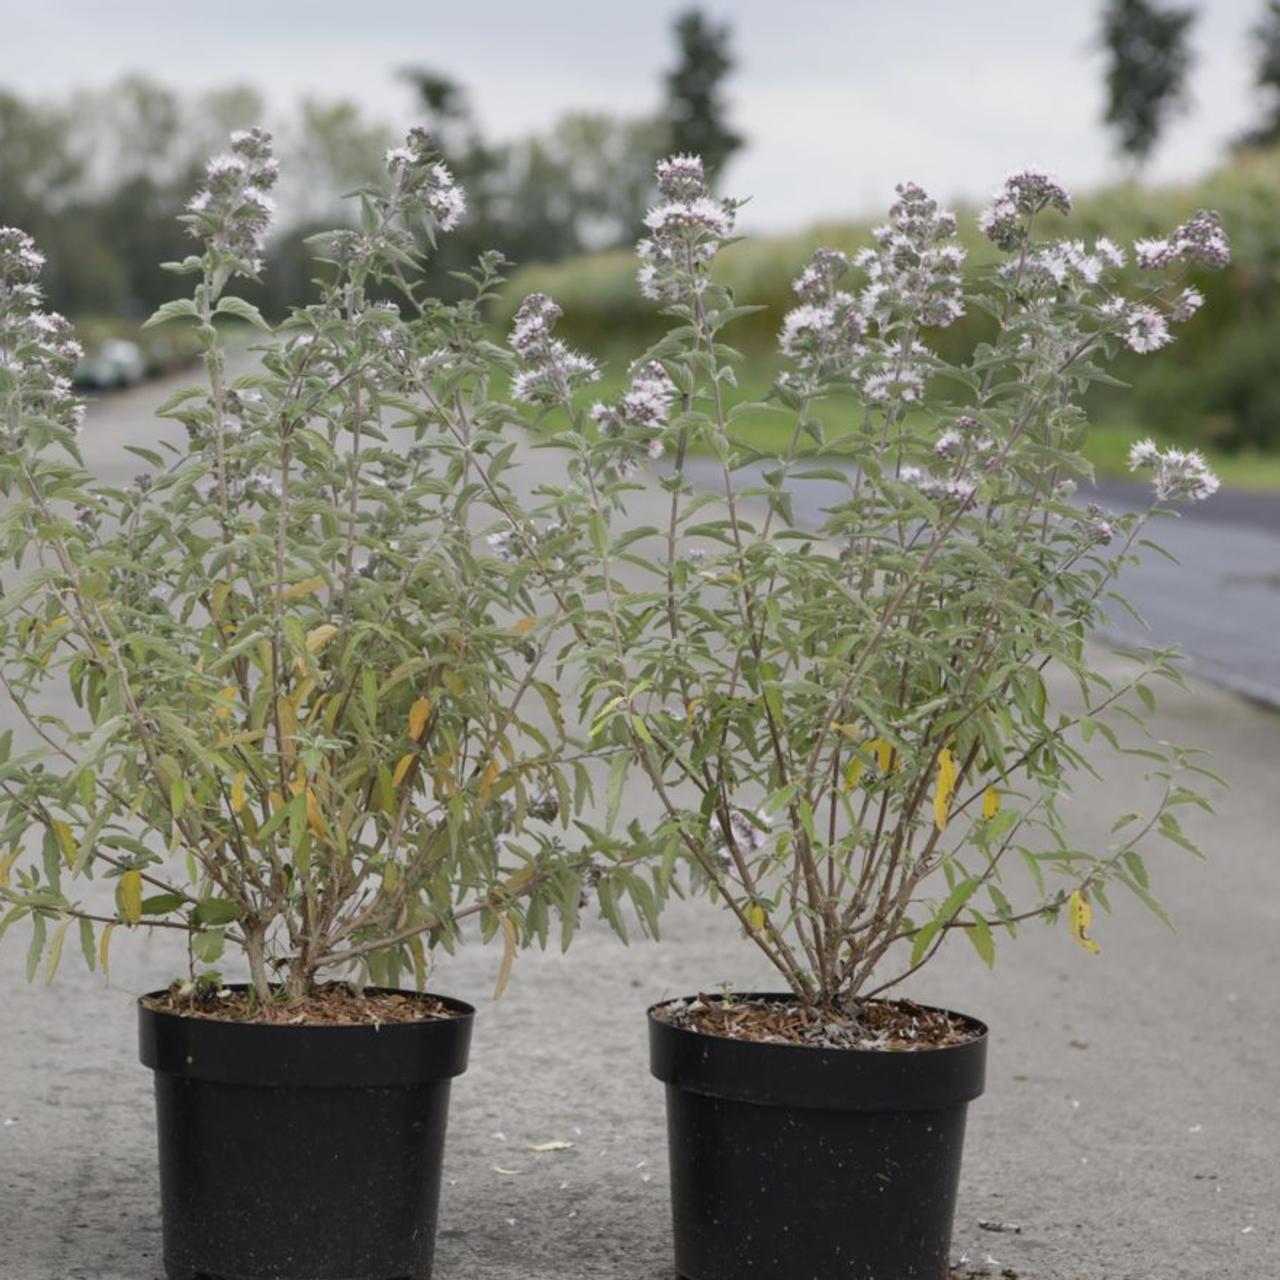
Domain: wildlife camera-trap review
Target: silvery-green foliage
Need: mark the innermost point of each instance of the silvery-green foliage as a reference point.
(851, 733)
(318, 719)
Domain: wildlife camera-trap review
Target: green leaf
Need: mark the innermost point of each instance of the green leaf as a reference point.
(207, 947)
(243, 310)
(55, 950)
(161, 904)
(36, 949)
(215, 911)
(617, 777)
(980, 935)
(179, 309)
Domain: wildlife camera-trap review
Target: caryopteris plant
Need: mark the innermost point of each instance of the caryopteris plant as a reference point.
(315, 715)
(847, 711)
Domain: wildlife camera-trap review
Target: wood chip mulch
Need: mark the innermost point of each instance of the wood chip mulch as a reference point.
(333, 1004)
(892, 1025)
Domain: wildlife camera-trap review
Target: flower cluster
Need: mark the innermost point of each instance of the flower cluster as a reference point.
(1072, 263)
(1178, 475)
(954, 488)
(686, 229)
(551, 369)
(823, 334)
(422, 181)
(233, 209)
(914, 271)
(1023, 195)
(1200, 241)
(38, 352)
(637, 420)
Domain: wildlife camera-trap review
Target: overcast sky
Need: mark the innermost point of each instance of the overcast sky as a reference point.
(838, 99)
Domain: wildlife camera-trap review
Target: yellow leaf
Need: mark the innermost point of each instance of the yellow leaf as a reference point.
(277, 801)
(945, 788)
(487, 779)
(320, 636)
(524, 625)
(303, 588)
(226, 701)
(287, 720)
(883, 752)
(131, 896)
(511, 941)
(419, 955)
(990, 803)
(237, 793)
(1081, 916)
(419, 714)
(755, 917)
(104, 951)
(402, 767)
(391, 877)
(6, 866)
(853, 773)
(66, 841)
(315, 819)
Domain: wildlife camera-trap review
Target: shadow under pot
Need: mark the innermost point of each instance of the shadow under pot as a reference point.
(296, 1152)
(791, 1162)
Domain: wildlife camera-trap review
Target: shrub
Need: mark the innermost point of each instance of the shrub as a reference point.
(849, 733)
(317, 720)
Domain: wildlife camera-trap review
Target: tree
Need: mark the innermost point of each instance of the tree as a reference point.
(1149, 58)
(695, 110)
(1266, 41)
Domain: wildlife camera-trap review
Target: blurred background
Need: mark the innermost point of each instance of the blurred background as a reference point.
(552, 116)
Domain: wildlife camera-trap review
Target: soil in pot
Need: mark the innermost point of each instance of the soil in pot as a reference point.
(302, 1151)
(808, 1148)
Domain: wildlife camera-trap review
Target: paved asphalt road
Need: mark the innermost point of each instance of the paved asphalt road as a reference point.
(1130, 1124)
(1220, 604)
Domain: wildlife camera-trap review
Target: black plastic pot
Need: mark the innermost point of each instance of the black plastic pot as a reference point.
(301, 1152)
(798, 1163)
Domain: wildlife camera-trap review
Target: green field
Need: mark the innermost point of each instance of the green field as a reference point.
(1107, 446)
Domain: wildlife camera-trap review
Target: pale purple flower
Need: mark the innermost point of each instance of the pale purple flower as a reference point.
(1153, 253)
(687, 229)
(551, 368)
(701, 215)
(1023, 195)
(422, 183)
(1180, 475)
(1146, 329)
(819, 279)
(914, 271)
(1143, 453)
(1202, 240)
(681, 177)
(1187, 303)
(233, 210)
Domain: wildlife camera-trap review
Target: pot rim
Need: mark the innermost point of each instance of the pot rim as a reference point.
(461, 1009)
(811, 1076)
(310, 1055)
(980, 1028)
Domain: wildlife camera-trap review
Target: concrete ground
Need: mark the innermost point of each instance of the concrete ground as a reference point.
(1129, 1128)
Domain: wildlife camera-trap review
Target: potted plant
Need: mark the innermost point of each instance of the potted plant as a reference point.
(850, 725)
(313, 722)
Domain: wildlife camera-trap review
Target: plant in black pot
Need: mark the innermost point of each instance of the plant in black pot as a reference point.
(312, 721)
(841, 669)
